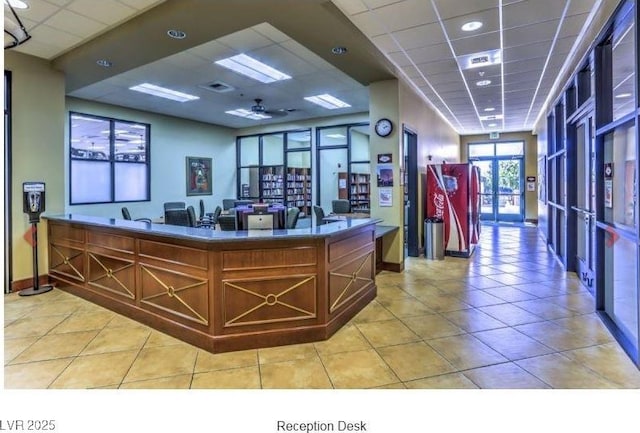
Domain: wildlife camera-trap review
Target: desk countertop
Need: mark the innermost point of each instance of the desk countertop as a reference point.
(207, 234)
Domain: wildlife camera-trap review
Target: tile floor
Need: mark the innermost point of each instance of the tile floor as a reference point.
(508, 317)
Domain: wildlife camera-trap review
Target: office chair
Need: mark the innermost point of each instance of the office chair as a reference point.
(213, 217)
(174, 205)
(126, 215)
(191, 214)
(319, 212)
(177, 217)
(341, 206)
(227, 222)
(293, 214)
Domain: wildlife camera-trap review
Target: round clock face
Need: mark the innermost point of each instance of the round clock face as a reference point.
(384, 127)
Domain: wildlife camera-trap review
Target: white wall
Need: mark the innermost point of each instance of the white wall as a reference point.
(172, 140)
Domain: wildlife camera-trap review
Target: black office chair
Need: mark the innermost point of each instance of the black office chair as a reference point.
(213, 217)
(319, 212)
(341, 206)
(191, 214)
(201, 215)
(227, 222)
(126, 215)
(177, 217)
(293, 214)
(174, 205)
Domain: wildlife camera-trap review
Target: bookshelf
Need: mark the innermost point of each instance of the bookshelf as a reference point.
(272, 183)
(299, 189)
(356, 188)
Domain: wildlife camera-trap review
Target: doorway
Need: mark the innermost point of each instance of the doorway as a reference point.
(410, 186)
(501, 188)
(584, 210)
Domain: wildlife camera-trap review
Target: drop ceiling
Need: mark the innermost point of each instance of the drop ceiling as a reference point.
(420, 41)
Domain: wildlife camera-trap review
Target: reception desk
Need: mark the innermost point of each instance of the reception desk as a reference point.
(219, 290)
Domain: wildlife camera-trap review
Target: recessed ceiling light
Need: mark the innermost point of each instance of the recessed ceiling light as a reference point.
(471, 26)
(482, 83)
(18, 4)
(493, 124)
(163, 92)
(176, 34)
(247, 114)
(104, 63)
(623, 95)
(492, 117)
(490, 109)
(327, 101)
(250, 67)
(339, 50)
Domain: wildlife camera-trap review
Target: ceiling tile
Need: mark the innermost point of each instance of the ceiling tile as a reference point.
(76, 24)
(534, 64)
(141, 4)
(385, 43)
(405, 15)
(530, 12)
(430, 53)
(55, 37)
(529, 51)
(490, 23)
(212, 51)
(450, 9)
(439, 67)
(369, 24)
(484, 42)
(571, 26)
(245, 40)
(351, 7)
(420, 36)
(577, 7)
(38, 11)
(529, 34)
(106, 11)
(270, 32)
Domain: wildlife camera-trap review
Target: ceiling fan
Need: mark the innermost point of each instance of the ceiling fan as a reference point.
(258, 108)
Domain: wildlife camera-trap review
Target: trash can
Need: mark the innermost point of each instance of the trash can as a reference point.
(434, 239)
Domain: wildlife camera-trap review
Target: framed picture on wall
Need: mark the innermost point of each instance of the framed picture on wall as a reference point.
(542, 179)
(198, 176)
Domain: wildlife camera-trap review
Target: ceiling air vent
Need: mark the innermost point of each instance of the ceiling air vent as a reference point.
(218, 87)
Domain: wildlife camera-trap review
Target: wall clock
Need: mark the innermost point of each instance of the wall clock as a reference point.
(384, 127)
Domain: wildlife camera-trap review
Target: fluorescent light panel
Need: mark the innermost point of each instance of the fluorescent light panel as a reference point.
(162, 92)
(250, 67)
(247, 114)
(480, 60)
(327, 101)
(492, 117)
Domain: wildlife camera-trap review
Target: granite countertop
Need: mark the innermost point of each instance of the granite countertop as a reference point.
(207, 234)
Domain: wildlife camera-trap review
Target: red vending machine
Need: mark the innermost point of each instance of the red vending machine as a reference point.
(453, 195)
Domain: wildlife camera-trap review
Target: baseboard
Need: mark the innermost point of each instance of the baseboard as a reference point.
(531, 220)
(27, 283)
(392, 267)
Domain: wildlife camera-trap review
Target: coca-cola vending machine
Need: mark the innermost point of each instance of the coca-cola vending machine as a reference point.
(453, 195)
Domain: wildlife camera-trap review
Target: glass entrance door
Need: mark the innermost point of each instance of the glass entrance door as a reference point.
(585, 220)
(501, 194)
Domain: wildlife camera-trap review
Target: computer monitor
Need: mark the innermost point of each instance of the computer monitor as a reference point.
(260, 221)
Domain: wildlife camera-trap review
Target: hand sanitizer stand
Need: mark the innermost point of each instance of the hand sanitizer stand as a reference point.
(33, 205)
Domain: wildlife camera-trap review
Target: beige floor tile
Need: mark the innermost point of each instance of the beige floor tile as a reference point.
(156, 362)
(398, 385)
(545, 309)
(610, 362)
(15, 346)
(432, 326)
(478, 298)
(287, 353)
(414, 361)
(158, 339)
(473, 320)
(481, 282)
(512, 344)
(57, 308)
(118, 339)
(374, 312)
(119, 321)
(347, 339)
(504, 376)
(95, 371)
(443, 303)
(32, 326)
(405, 307)
(207, 361)
(588, 326)
(563, 373)
(555, 336)
(454, 287)
(55, 346)
(581, 303)
(83, 322)
(182, 381)
(510, 314)
(363, 369)
(387, 333)
(466, 351)
(386, 293)
(301, 374)
(510, 294)
(237, 378)
(446, 381)
(34, 375)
